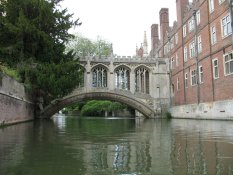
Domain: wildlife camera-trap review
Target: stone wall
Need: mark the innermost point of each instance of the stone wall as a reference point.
(222, 110)
(15, 103)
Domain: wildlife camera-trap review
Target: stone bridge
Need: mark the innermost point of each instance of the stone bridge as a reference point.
(141, 83)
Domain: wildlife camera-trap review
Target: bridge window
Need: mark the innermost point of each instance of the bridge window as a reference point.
(122, 78)
(142, 80)
(99, 77)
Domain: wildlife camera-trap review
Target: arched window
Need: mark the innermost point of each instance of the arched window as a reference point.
(99, 77)
(122, 78)
(142, 80)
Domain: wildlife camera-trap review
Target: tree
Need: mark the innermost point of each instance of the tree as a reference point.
(83, 46)
(98, 107)
(33, 34)
(34, 30)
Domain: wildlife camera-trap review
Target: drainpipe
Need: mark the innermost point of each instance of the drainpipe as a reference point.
(170, 71)
(196, 56)
(230, 3)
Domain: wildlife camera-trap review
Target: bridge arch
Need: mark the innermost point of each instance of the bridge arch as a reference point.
(124, 97)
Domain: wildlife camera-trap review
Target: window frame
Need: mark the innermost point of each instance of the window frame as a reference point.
(198, 17)
(178, 84)
(184, 30)
(230, 62)
(193, 76)
(211, 6)
(213, 35)
(199, 44)
(186, 80)
(177, 60)
(192, 51)
(201, 75)
(191, 24)
(228, 26)
(215, 66)
(185, 54)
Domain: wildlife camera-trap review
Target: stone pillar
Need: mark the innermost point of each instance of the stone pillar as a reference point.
(111, 78)
(132, 81)
(88, 76)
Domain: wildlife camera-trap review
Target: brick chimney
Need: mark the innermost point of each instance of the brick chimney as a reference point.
(180, 8)
(154, 38)
(164, 22)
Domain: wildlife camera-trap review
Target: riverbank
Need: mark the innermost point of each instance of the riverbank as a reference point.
(218, 110)
(16, 105)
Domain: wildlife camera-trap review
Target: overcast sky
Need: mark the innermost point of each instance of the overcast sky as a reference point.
(121, 22)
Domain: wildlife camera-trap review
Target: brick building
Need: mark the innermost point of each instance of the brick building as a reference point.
(199, 45)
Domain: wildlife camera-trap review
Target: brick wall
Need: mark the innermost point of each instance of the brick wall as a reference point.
(15, 104)
(210, 89)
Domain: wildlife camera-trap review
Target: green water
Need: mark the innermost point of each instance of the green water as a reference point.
(99, 146)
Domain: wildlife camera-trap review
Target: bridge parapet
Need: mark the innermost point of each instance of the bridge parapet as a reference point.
(123, 59)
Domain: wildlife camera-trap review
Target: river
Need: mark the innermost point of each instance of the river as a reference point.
(111, 146)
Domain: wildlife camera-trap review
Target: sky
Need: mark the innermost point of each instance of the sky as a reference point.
(120, 22)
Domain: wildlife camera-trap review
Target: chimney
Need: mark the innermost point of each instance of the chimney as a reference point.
(181, 5)
(154, 37)
(164, 22)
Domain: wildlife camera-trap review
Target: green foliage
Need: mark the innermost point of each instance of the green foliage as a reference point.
(33, 34)
(83, 46)
(168, 115)
(97, 107)
(33, 30)
(10, 72)
(57, 80)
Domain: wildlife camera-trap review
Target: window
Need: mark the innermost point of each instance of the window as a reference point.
(192, 49)
(172, 63)
(211, 5)
(199, 46)
(191, 24)
(201, 76)
(185, 54)
(178, 83)
(193, 77)
(198, 17)
(186, 80)
(184, 31)
(176, 38)
(177, 60)
(172, 42)
(213, 35)
(215, 68)
(228, 63)
(226, 26)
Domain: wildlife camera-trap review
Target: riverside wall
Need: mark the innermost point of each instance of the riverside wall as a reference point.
(218, 110)
(15, 103)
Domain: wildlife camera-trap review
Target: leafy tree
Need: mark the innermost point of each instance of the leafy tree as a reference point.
(97, 107)
(83, 46)
(34, 30)
(33, 34)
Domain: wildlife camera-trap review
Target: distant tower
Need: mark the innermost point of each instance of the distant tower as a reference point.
(145, 46)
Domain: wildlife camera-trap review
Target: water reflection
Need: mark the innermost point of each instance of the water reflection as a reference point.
(120, 147)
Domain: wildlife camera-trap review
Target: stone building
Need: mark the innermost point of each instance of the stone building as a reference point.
(199, 45)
